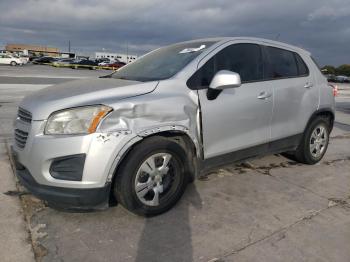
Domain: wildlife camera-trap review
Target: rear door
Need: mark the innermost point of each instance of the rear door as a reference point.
(295, 93)
(240, 117)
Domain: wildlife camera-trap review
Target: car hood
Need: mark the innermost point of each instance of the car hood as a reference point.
(82, 92)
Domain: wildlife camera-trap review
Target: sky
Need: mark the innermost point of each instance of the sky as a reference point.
(320, 26)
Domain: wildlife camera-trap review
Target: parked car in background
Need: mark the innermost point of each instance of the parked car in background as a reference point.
(25, 59)
(341, 79)
(6, 59)
(44, 60)
(103, 60)
(104, 63)
(84, 64)
(63, 62)
(330, 77)
(33, 57)
(115, 65)
(141, 135)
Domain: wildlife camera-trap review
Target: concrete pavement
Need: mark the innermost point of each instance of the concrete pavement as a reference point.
(272, 204)
(15, 241)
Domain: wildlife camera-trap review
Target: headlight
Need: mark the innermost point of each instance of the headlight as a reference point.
(80, 120)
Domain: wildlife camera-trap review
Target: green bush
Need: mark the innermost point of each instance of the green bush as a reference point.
(343, 70)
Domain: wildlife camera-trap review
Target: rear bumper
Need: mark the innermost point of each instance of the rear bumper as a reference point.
(65, 198)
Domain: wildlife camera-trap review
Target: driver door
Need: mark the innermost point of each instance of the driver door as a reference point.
(237, 118)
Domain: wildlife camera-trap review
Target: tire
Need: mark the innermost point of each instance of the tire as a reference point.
(314, 143)
(13, 63)
(136, 172)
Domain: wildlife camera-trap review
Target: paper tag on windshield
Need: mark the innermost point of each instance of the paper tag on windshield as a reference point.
(192, 49)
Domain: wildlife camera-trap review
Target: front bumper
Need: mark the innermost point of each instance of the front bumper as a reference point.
(60, 197)
(91, 189)
(66, 198)
(40, 151)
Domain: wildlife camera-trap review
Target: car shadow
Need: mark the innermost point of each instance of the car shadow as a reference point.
(168, 237)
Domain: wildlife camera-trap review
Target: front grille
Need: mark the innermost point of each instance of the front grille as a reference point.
(20, 138)
(24, 119)
(24, 115)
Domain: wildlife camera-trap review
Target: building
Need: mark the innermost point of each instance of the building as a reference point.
(36, 50)
(116, 56)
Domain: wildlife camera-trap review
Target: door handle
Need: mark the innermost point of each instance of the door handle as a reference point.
(264, 95)
(308, 85)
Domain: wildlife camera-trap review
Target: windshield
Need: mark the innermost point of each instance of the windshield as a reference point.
(162, 63)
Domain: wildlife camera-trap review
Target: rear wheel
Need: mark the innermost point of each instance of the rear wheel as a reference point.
(13, 63)
(314, 143)
(152, 178)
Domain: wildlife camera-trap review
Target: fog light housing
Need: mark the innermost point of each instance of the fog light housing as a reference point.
(68, 167)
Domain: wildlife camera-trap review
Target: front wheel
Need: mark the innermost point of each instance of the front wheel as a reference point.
(13, 63)
(314, 143)
(152, 178)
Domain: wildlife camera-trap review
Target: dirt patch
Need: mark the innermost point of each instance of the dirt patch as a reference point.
(31, 205)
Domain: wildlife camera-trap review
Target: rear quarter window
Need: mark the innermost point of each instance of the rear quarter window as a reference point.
(303, 70)
(316, 63)
(281, 63)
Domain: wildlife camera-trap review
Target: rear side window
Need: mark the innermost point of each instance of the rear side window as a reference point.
(316, 63)
(302, 67)
(244, 59)
(282, 63)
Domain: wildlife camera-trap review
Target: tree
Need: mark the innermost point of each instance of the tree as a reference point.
(343, 70)
(328, 69)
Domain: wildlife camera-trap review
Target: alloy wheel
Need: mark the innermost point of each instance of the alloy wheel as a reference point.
(318, 141)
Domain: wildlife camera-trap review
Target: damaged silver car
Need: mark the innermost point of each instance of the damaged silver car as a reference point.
(140, 135)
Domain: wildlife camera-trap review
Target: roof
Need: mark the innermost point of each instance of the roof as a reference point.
(263, 41)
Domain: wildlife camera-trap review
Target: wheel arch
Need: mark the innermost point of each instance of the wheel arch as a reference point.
(323, 112)
(180, 137)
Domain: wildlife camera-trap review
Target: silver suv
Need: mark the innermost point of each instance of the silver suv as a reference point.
(139, 135)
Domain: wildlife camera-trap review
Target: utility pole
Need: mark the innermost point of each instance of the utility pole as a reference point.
(68, 46)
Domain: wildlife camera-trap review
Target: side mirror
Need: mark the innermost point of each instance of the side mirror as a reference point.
(225, 79)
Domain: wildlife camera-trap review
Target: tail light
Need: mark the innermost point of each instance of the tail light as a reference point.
(335, 90)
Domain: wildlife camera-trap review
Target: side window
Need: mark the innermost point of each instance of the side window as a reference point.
(316, 63)
(302, 67)
(282, 63)
(244, 59)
